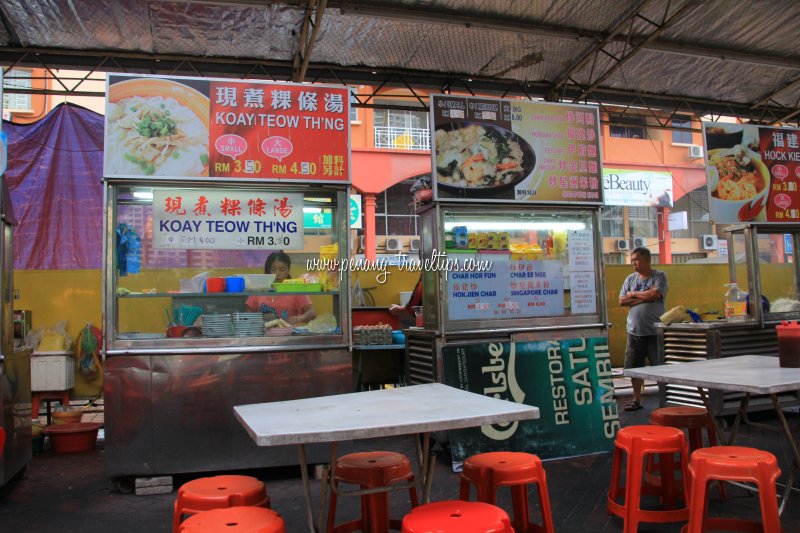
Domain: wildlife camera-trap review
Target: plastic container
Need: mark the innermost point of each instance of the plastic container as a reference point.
(735, 303)
(788, 344)
(257, 282)
(52, 371)
(70, 438)
(66, 417)
(215, 285)
(234, 284)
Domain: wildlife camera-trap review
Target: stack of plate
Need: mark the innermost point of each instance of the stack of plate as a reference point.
(217, 325)
(248, 325)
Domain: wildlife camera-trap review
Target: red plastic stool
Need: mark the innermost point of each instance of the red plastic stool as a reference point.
(516, 470)
(638, 442)
(371, 470)
(217, 492)
(2, 441)
(234, 520)
(733, 463)
(457, 516)
(38, 397)
(694, 420)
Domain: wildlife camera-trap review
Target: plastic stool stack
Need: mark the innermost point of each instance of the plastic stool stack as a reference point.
(733, 463)
(371, 470)
(692, 419)
(217, 492)
(234, 520)
(637, 443)
(457, 516)
(516, 470)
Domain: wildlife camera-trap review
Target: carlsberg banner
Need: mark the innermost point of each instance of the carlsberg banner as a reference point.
(568, 380)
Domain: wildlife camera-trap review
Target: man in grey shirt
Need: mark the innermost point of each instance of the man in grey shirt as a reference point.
(644, 292)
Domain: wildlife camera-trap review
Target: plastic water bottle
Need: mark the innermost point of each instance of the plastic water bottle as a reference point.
(735, 303)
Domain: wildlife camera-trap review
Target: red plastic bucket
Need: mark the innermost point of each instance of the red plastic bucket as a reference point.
(78, 437)
(788, 344)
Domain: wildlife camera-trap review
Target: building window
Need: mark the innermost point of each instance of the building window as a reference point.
(695, 203)
(681, 136)
(401, 130)
(643, 221)
(353, 102)
(611, 221)
(628, 127)
(17, 79)
(394, 210)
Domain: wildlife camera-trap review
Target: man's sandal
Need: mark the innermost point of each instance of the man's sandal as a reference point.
(633, 406)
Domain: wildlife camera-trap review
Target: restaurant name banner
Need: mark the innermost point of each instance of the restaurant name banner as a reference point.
(637, 188)
(220, 128)
(752, 173)
(227, 220)
(500, 150)
(569, 380)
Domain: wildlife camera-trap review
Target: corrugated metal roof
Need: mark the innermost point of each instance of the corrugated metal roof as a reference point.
(702, 56)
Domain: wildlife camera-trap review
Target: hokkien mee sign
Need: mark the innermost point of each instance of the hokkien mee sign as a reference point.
(227, 219)
(222, 128)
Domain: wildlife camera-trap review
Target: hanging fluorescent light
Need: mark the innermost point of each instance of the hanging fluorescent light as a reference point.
(143, 195)
(515, 225)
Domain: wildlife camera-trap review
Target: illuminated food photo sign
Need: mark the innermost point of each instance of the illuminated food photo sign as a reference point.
(752, 173)
(501, 150)
(215, 128)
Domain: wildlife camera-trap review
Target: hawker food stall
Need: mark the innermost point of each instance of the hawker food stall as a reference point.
(15, 362)
(214, 294)
(752, 180)
(513, 284)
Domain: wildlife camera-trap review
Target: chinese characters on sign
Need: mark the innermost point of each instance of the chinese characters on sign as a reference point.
(184, 127)
(227, 219)
(583, 291)
(510, 289)
(493, 149)
(752, 173)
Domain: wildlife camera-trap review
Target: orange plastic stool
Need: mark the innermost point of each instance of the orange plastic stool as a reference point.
(733, 463)
(371, 470)
(38, 397)
(516, 470)
(638, 442)
(456, 516)
(234, 520)
(694, 420)
(217, 492)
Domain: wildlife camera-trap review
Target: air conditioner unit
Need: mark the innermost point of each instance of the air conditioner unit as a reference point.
(393, 244)
(709, 242)
(638, 242)
(695, 151)
(414, 244)
(621, 245)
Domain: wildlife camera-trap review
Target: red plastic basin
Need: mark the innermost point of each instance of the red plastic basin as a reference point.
(76, 437)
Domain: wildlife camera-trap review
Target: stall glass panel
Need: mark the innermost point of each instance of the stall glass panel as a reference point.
(189, 283)
(519, 267)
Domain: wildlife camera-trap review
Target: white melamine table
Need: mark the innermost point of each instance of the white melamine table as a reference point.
(416, 409)
(751, 374)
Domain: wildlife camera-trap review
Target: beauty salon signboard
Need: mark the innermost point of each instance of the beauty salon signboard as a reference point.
(637, 188)
(221, 128)
(569, 380)
(752, 173)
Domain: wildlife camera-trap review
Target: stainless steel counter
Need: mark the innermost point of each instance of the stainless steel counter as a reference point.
(169, 414)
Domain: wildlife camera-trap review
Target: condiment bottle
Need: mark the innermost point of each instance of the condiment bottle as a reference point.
(735, 303)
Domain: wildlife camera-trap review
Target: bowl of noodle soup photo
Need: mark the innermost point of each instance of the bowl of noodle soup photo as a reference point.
(739, 185)
(156, 127)
(480, 160)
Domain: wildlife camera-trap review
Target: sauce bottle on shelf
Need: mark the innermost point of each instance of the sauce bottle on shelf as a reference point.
(735, 303)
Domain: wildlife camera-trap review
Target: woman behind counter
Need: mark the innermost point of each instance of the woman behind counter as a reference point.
(293, 308)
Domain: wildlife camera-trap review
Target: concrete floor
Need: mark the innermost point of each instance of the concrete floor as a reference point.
(70, 492)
